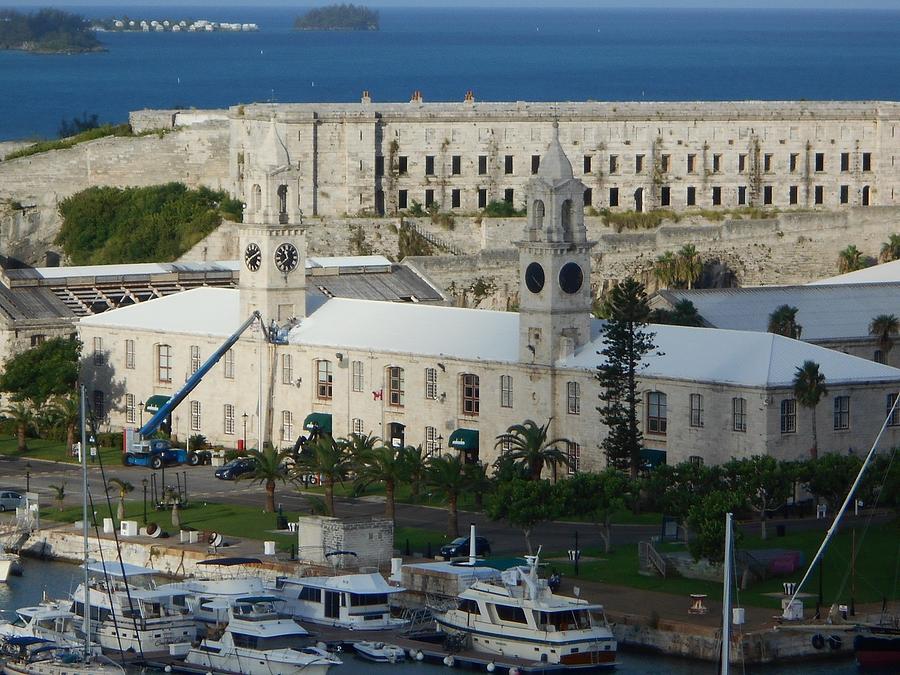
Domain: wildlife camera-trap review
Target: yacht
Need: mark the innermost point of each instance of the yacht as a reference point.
(47, 621)
(9, 565)
(28, 655)
(521, 617)
(129, 614)
(257, 641)
(356, 601)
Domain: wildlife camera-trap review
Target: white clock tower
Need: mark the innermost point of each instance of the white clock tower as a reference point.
(272, 241)
(554, 263)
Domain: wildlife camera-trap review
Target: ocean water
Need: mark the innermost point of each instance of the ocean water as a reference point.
(501, 54)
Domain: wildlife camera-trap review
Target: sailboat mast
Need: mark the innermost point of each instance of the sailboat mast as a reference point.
(726, 599)
(84, 532)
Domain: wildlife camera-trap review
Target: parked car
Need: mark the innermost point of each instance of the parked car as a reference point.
(10, 500)
(459, 548)
(236, 467)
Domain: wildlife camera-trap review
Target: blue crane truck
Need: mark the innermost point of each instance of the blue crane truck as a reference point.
(139, 450)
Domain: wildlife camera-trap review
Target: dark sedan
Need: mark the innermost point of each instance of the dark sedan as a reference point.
(459, 548)
(236, 467)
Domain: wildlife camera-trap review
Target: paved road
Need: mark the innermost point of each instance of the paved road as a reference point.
(202, 485)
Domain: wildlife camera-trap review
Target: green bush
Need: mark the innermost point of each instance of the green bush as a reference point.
(502, 209)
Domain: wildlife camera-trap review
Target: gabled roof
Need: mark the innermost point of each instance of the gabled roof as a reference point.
(826, 312)
(889, 271)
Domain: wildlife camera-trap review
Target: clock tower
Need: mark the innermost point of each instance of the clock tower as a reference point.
(554, 263)
(272, 242)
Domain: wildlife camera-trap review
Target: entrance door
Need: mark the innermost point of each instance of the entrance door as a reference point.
(332, 604)
(396, 433)
(639, 200)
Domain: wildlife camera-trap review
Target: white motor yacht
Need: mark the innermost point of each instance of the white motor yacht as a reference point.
(28, 655)
(47, 621)
(129, 614)
(257, 641)
(522, 618)
(357, 601)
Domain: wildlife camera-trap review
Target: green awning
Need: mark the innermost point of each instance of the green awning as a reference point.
(652, 458)
(320, 422)
(155, 402)
(464, 439)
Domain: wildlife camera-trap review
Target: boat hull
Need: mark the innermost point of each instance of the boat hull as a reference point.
(877, 651)
(251, 662)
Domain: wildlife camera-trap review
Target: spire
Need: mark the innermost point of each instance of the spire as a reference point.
(555, 166)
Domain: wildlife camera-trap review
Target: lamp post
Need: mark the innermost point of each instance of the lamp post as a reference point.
(141, 408)
(244, 416)
(144, 483)
(440, 445)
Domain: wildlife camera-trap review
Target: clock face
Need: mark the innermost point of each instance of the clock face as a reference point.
(571, 277)
(286, 258)
(252, 257)
(534, 277)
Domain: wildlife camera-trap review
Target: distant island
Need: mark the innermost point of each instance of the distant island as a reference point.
(338, 17)
(128, 25)
(48, 31)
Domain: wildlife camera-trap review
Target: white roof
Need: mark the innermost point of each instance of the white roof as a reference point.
(352, 583)
(889, 271)
(115, 569)
(347, 261)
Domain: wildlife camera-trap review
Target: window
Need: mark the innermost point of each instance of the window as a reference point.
(508, 195)
(379, 166)
(695, 460)
(573, 454)
(396, 393)
(638, 163)
(789, 416)
(99, 405)
(431, 445)
(195, 358)
(429, 198)
(614, 164)
(867, 161)
(402, 199)
(820, 161)
(665, 197)
(357, 426)
(767, 163)
(841, 413)
(717, 163)
(767, 194)
(697, 410)
(429, 165)
(510, 613)
(402, 165)
(535, 164)
(508, 164)
(482, 165)
(742, 195)
(894, 419)
(356, 372)
(287, 369)
(588, 197)
(573, 398)
(691, 162)
(229, 364)
(455, 198)
(878, 356)
(195, 415)
(845, 194)
(819, 194)
(129, 408)
(506, 391)
(792, 194)
(287, 425)
(324, 380)
(164, 363)
(613, 196)
(792, 162)
(38, 339)
(98, 351)
(717, 196)
(470, 395)
(431, 383)
(656, 412)
(482, 198)
(587, 164)
(228, 415)
(310, 594)
(691, 196)
(739, 414)
(664, 163)
(129, 354)
(845, 162)
(742, 163)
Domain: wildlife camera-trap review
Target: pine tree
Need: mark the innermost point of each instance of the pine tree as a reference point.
(626, 342)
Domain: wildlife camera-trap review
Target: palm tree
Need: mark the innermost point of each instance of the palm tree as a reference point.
(783, 321)
(665, 269)
(383, 464)
(850, 260)
(890, 250)
(329, 459)
(124, 487)
(415, 469)
(884, 327)
(59, 494)
(359, 445)
(479, 483)
(527, 444)
(809, 388)
(689, 266)
(448, 478)
(268, 470)
(64, 411)
(22, 416)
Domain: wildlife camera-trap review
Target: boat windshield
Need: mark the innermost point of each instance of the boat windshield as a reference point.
(570, 619)
(295, 642)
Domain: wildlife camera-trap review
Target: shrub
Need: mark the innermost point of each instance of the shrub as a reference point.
(502, 209)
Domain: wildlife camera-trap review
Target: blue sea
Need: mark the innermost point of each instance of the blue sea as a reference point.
(501, 54)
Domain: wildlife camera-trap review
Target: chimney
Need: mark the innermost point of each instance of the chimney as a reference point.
(366, 99)
(416, 97)
(470, 97)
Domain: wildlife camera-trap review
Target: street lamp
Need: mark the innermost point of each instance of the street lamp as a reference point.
(141, 407)
(144, 483)
(440, 445)
(245, 431)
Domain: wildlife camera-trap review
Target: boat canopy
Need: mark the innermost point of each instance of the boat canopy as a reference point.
(120, 570)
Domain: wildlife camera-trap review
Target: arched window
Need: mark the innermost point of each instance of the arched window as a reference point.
(656, 413)
(255, 198)
(565, 216)
(537, 210)
(282, 203)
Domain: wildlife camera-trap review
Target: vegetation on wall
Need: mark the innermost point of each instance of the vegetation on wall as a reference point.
(107, 225)
(71, 141)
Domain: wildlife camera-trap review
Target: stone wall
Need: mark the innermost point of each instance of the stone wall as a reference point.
(371, 539)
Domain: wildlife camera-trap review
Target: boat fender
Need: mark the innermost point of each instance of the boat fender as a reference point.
(491, 667)
(412, 653)
(513, 671)
(818, 641)
(420, 655)
(168, 669)
(449, 661)
(834, 641)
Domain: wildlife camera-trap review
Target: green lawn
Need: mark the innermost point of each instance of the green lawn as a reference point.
(39, 448)
(876, 568)
(418, 540)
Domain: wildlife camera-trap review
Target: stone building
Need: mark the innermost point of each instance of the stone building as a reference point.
(381, 157)
(451, 378)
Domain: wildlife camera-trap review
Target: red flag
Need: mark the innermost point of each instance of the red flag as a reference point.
(378, 395)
